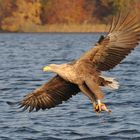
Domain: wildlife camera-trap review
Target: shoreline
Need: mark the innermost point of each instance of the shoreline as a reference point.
(61, 28)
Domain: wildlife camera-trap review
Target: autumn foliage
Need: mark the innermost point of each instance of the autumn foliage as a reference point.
(33, 15)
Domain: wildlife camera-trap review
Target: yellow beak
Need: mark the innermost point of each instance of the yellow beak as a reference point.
(46, 68)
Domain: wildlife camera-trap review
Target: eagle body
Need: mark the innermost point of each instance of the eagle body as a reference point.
(69, 72)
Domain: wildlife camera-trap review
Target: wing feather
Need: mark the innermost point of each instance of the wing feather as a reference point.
(123, 37)
(49, 95)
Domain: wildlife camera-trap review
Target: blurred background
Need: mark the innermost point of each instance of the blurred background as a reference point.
(60, 15)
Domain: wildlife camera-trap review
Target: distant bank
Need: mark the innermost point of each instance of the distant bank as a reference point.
(61, 28)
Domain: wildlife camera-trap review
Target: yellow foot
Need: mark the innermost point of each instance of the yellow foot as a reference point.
(101, 107)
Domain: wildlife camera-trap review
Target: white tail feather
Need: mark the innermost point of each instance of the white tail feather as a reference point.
(113, 84)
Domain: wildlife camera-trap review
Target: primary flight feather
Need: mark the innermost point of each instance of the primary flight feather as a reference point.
(84, 75)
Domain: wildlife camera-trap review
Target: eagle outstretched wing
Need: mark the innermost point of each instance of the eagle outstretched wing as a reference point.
(48, 95)
(122, 38)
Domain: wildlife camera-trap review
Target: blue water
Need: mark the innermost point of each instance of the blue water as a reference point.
(22, 57)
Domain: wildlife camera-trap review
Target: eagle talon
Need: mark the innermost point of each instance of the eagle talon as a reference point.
(99, 107)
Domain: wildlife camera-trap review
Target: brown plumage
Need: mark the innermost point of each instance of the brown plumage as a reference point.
(84, 74)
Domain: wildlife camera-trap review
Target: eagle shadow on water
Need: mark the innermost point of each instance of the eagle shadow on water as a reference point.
(85, 74)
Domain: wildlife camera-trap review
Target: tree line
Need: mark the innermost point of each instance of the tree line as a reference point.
(19, 14)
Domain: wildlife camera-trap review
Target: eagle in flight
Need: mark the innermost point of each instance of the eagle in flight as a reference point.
(85, 74)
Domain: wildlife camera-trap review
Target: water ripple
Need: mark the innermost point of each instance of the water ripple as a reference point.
(22, 57)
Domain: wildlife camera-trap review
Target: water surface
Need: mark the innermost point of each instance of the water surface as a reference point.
(22, 57)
